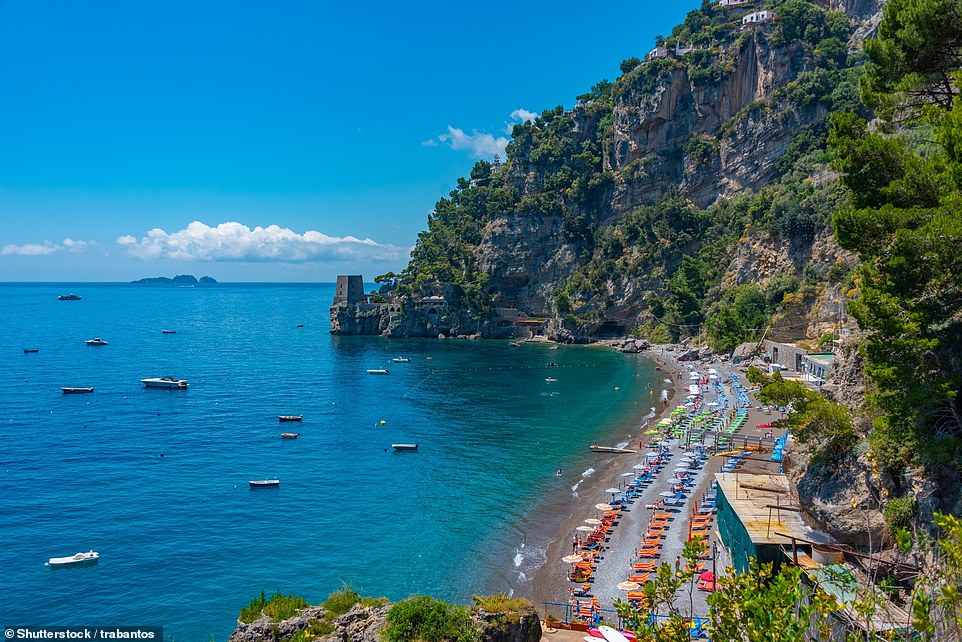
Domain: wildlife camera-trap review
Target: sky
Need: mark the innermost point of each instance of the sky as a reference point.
(286, 141)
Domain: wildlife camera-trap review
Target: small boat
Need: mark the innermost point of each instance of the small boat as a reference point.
(264, 483)
(550, 379)
(90, 557)
(377, 371)
(76, 391)
(404, 446)
(515, 344)
(165, 382)
(401, 360)
(168, 331)
(30, 350)
(69, 297)
(96, 341)
(290, 435)
(610, 449)
(290, 417)
(299, 325)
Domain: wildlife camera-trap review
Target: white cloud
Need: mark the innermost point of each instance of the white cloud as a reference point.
(482, 144)
(478, 143)
(46, 248)
(272, 244)
(524, 115)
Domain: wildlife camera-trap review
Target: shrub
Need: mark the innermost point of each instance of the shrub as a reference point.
(424, 618)
(898, 512)
(278, 607)
(340, 601)
(501, 603)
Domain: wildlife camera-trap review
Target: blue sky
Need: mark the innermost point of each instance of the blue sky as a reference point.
(282, 141)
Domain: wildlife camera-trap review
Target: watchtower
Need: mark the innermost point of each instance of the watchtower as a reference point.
(349, 290)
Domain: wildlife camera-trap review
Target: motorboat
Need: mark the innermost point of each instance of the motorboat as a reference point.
(69, 297)
(264, 483)
(550, 379)
(30, 350)
(90, 557)
(96, 341)
(377, 371)
(165, 382)
(290, 417)
(75, 391)
(401, 360)
(168, 331)
(290, 435)
(404, 446)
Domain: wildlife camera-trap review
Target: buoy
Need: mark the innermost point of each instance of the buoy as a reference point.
(383, 422)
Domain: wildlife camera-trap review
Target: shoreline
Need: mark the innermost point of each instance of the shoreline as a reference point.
(549, 582)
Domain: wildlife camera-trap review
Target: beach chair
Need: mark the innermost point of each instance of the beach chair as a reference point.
(651, 551)
(644, 566)
(662, 515)
(654, 532)
(641, 579)
(657, 523)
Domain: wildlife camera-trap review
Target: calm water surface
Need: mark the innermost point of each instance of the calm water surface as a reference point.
(156, 480)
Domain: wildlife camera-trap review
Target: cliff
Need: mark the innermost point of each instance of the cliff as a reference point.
(708, 156)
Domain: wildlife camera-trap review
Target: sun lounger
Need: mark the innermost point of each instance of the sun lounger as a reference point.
(644, 566)
(651, 551)
(641, 579)
(662, 515)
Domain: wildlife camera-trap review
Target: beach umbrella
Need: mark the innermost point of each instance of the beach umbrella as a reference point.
(594, 521)
(604, 506)
(640, 466)
(707, 576)
(651, 455)
(628, 474)
(572, 559)
(613, 491)
(653, 431)
(681, 469)
(694, 375)
(585, 529)
(628, 586)
(666, 494)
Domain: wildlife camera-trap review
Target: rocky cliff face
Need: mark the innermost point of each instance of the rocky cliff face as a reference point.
(705, 125)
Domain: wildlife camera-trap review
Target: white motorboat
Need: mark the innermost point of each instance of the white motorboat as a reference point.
(90, 557)
(404, 446)
(377, 371)
(69, 297)
(96, 341)
(74, 391)
(264, 483)
(165, 382)
(401, 360)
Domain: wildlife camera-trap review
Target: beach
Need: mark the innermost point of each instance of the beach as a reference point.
(550, 583)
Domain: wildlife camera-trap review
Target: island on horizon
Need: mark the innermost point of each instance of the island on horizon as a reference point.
(180, 280)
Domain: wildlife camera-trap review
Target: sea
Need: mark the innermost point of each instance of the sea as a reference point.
(156, 480)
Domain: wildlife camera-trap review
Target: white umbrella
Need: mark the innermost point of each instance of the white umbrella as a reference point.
(593, 521)
(628, 474)
(585, 529)
(667, 494)
(627, 586)
(694, 375)
(614, 491)
(604, 506)
(682, 469)
(640, 466)
(572, 559)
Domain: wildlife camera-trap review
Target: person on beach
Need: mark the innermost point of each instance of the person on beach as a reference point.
(677, 564)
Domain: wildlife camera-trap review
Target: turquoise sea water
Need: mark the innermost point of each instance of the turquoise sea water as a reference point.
(156, 480)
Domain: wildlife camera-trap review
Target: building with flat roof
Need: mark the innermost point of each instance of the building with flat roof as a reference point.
(757, 517)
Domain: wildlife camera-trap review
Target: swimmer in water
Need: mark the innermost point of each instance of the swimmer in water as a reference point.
(558, 472)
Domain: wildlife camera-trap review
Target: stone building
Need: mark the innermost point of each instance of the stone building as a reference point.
(349, 290)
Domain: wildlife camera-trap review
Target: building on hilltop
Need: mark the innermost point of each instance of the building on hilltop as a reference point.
(759, 18)
(349, 290)
(732, 3)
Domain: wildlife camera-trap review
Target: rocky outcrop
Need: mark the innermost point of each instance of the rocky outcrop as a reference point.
(365, 623)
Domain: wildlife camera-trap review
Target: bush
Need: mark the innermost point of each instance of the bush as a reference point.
(278, 607)
(501, 603)
(898, 512)
(424, 618)
(340, 601)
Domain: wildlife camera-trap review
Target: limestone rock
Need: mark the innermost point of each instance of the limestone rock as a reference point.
(266, 630)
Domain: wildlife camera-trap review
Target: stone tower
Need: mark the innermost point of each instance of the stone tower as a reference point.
(349, 290)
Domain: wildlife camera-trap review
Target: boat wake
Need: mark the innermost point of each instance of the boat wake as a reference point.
(585, 475)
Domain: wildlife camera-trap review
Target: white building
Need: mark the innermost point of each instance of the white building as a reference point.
(759, 17)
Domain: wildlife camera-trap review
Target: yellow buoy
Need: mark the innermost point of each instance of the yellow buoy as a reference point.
(383, 422)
